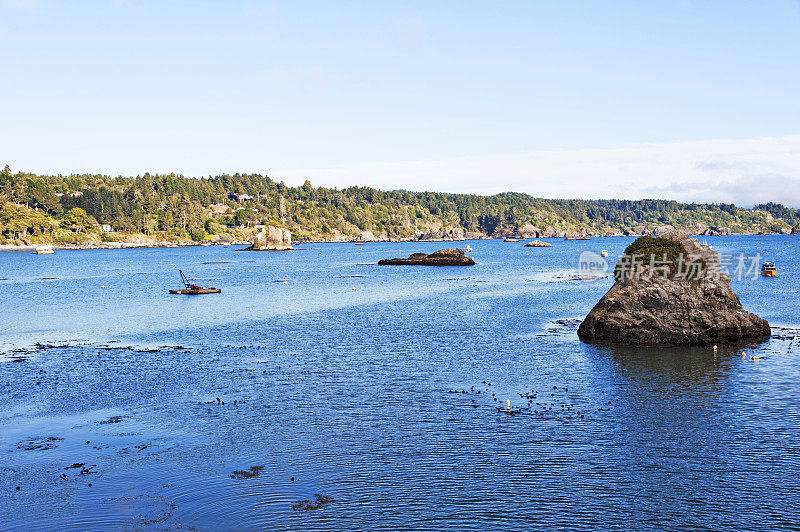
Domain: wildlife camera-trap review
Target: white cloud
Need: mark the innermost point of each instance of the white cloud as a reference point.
(742, 171)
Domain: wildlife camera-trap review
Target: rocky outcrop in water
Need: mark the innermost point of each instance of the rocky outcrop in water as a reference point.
(272, 238)
(443, 257)
(538, 244)
(670, 291)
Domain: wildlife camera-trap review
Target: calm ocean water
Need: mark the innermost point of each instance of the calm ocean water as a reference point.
(378, 387)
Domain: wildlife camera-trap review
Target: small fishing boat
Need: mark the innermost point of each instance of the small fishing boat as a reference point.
(768, 269)
(192, 289)
(468, 249)
(511, 240)
(604, 253)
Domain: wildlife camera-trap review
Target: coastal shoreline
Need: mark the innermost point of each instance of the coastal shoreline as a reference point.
(116, 245)
(180, 244)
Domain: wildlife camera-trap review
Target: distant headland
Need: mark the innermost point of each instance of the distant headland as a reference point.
(91, 211)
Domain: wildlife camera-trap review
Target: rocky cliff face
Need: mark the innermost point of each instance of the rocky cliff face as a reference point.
(434, 235)
(685, 303)
(366, 236)
(272, 239)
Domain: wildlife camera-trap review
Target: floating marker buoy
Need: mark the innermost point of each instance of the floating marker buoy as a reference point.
(744, 354)
(508, 405)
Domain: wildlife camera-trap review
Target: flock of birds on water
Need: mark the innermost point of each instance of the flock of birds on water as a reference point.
(548, 406)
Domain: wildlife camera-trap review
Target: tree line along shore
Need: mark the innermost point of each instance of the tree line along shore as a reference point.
(90, 210)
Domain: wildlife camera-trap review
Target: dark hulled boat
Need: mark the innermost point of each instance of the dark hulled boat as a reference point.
(191, 289)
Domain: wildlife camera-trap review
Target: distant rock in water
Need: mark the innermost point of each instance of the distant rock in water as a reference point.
(538, 244)
(272, 239)
(670, 291)
(443, 257)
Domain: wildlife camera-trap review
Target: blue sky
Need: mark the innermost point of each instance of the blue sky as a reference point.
(684, 100)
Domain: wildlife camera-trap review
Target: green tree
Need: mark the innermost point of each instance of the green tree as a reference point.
(78, 220)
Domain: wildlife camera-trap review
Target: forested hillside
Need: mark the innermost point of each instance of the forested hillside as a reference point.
(74, 209)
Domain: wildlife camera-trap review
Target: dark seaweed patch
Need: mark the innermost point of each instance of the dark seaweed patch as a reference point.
(254, 471)
(319, 501)
(39, 443)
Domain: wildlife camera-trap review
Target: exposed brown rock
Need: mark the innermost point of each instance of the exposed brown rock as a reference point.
(648, 305)
(443, 257)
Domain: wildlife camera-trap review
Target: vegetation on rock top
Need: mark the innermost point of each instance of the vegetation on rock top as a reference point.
(665, 254)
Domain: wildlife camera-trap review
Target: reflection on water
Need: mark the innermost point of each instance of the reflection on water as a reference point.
(243, 411)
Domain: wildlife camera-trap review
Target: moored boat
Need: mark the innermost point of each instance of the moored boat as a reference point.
(768, 269)
(191, 289)
(196, 291)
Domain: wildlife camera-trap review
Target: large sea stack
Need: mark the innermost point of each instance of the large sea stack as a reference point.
(272, 238)
(669, 291)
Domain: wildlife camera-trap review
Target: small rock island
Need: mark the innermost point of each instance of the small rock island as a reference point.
(538, 244)
(443, 257)
(669, 291)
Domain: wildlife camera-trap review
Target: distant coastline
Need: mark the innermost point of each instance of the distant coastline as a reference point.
(99, 211)
(189, 243)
